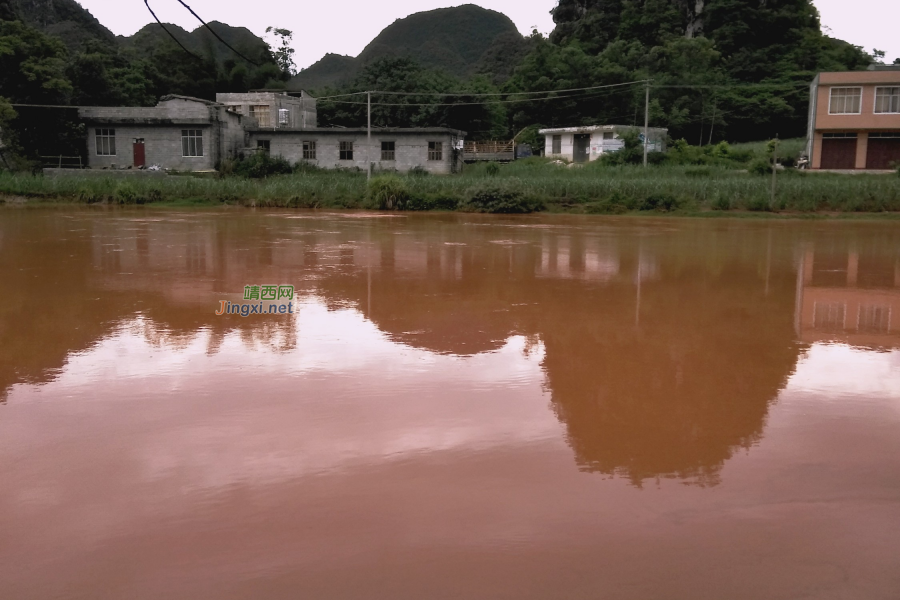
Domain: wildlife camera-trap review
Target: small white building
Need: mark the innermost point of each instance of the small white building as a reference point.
(583, 144)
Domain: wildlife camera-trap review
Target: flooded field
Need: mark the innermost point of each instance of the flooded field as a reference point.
(453, 406)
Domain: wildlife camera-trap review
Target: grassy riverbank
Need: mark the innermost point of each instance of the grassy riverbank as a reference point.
(519, 187)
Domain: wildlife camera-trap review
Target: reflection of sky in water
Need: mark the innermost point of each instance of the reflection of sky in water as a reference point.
(834, 371)
(345, 395)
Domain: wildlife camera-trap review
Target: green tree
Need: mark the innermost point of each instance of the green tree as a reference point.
(284, 54)
(32, 65)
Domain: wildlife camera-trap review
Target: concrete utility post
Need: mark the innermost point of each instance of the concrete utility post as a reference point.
(369, 136)
(646, 121)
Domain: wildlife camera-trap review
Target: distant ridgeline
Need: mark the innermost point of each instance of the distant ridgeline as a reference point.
(461, 41)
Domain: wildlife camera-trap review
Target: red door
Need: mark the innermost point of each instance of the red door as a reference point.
(140, 159)
(838, 153)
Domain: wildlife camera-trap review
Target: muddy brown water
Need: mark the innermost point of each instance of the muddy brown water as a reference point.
(455, 407)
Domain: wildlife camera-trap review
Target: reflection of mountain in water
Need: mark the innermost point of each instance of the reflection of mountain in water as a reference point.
(663, 351)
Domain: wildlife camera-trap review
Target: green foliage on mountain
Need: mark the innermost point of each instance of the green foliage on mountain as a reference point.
(423, 107)
(462, 41)
(761, 55)
(63, 19)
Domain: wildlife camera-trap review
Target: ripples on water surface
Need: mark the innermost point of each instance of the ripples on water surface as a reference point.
(459, 407)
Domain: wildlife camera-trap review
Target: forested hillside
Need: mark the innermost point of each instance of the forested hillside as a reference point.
(455, 40)
(720, 69)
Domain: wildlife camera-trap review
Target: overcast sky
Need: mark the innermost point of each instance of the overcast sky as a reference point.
(346, 27)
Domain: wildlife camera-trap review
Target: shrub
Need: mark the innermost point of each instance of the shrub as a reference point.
(433, 202)
(126, 194)
(721, 203)
(388, 192)
(760, 166)
(660, 202)
(495, 199)
(418, 171)
(758, 205)
(492, 169)
(258, 165)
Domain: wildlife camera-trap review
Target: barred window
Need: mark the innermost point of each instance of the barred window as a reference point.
(435, 151)
(388, 151)
(557, 144)
(309, 150)
(346, 149)
(845, 101)
(261, 113)
(264, 145)
(192, 142)
(106, 142)
(887, 100)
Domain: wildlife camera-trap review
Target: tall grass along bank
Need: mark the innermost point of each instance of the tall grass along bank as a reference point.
(523, 186)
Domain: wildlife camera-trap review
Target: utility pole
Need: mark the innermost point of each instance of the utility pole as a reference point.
(774, 170)
(369, 136)
(646, 121)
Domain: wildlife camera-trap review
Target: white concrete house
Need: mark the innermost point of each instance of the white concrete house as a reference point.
(583, 144)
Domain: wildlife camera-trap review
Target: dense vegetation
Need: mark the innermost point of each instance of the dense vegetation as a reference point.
(53, 52)
(721, 69)
(696, 182)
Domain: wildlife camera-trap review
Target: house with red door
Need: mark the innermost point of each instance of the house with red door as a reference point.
(854, 119)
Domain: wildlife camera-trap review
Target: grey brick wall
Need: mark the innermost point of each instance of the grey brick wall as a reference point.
(411, 149)
(303, 109)
(162, 146)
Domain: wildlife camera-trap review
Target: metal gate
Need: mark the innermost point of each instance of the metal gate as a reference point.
(838, 151)
(582, 145)
(883, 151)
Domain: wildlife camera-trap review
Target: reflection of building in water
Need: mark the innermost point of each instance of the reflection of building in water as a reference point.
(849, 295)
(674, 393)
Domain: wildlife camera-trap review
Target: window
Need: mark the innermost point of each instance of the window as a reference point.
(839, 135)
(192, 142)
(885, 135)
(260, 112)
(845, 101)
(309, 151)
(874, 318)
(435, 151)
(829, 316)
(264, 145)
(106, 142)
(284, 117)
(346, 151)
(236, 108)
(607, 135)
(887, 100)
(388, 151)
(557, 144)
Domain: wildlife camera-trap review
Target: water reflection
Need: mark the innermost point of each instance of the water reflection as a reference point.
(663, 345)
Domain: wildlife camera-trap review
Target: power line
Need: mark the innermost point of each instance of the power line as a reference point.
(596, 87)
(181, 2)
(147, 4)
(585, 95)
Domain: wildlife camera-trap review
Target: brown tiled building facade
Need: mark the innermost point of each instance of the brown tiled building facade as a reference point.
(854, 120)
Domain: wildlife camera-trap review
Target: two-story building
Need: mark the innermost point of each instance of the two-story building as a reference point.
(854, 119)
